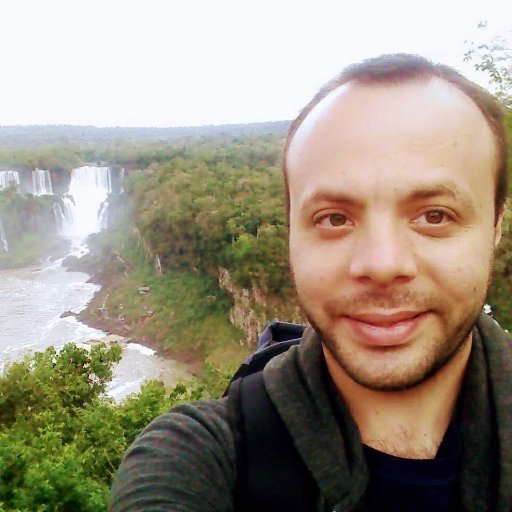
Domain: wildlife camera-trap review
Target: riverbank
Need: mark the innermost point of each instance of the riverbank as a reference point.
(96, 315)
(151, 366)
(182, 315)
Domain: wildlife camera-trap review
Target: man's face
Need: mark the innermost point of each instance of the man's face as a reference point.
(392, 227)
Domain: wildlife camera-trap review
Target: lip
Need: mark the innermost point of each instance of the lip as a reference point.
(385, 329)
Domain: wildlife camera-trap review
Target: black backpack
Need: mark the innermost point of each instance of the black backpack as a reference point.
(271, 476)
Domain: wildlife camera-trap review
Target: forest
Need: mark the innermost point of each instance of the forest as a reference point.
(201, 224)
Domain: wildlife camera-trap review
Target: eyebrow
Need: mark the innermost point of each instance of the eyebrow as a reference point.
(331, 196)
(447, 188)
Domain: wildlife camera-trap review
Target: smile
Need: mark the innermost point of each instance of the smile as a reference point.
(381, 330)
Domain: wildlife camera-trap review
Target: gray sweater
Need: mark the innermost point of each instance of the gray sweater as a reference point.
(185, 459)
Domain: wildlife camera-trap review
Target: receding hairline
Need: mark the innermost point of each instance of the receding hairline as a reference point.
(399, 69)
(336, 94)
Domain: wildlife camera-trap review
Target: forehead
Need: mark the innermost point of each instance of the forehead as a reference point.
(391, 132)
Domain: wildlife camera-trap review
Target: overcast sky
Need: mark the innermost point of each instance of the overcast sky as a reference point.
(192, 62)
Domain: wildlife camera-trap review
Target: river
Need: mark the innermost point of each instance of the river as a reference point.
(31, 303)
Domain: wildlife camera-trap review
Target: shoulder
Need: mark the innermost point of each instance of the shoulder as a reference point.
(198, 422)
(175, 460)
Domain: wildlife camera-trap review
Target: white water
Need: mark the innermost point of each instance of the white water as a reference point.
(7, 178)
(3, 239)
(41, 183)
(32, 300)
(121, 180)
(83, 211)
(63, 217)
(103, 216)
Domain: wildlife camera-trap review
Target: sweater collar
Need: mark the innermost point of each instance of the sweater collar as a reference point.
(333, 454)
(486, 407)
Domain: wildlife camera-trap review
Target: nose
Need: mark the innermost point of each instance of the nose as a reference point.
(382, 254)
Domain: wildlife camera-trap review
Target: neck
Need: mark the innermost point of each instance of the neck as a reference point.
(410, 423)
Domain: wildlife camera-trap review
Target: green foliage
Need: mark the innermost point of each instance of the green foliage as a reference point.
(501, 290)
(221, 205)
(42, 401)
(494, 58)
(261, 259)
(58, 381)
(216, 379)
(61, 439)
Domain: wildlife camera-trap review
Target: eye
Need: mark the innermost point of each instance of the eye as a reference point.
(434, 217)
(333, 220)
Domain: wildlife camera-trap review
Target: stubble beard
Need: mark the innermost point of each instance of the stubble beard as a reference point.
(437, 352)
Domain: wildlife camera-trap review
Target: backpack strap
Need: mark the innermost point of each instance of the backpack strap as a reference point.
(257, 361)
(271, 476)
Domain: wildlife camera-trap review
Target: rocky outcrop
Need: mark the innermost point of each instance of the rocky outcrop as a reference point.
(150, 253)
(252, 310)
(109, 340)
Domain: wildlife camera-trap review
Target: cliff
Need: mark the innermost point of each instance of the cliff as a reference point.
(252, 310)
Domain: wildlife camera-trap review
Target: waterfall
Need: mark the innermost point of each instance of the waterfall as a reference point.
(63, 213)
(3, 239)
(9, 177)
(103, 216)
(85, 211)
(41, 183)
(121, 179)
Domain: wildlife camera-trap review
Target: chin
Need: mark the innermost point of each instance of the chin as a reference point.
(394, 381)
(395, 368)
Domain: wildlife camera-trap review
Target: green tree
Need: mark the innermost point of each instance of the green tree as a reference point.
(61, 438)
(495, 59)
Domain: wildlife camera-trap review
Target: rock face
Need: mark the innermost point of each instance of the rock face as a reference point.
(150, 253)
(252, 311)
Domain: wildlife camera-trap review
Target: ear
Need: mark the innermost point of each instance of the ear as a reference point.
(499, 225)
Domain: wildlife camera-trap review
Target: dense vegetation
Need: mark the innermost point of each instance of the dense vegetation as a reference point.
(61, 439)
(494, 58)
(37, 136)
(217, 205)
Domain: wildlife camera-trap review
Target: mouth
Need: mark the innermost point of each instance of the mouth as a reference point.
(376, 329)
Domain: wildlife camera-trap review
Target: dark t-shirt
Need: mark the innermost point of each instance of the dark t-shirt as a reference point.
(408, 485)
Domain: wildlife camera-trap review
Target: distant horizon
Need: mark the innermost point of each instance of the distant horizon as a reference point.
(20, 136)
(64, 125)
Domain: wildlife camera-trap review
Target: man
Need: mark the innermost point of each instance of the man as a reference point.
(398, 397)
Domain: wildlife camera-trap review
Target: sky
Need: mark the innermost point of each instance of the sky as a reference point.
(196, 62)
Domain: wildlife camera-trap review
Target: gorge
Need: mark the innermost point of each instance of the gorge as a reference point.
(33, 298)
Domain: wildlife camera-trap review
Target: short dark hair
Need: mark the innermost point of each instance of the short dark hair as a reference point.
(400, 68)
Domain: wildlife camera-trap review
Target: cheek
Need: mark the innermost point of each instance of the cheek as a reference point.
(316, 271)
(461, 267)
